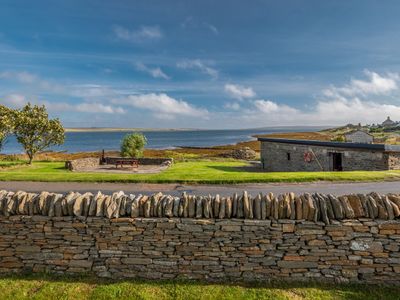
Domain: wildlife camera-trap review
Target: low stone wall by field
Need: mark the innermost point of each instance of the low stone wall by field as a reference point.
(118, 236)
(142, 160)
(82, 164)
(205, 249)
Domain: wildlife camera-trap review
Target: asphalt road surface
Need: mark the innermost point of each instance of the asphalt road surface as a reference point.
(224, 190)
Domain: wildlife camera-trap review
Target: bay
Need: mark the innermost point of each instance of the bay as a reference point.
(163, 139)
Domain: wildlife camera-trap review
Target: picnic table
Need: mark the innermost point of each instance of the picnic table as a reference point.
(131, 162)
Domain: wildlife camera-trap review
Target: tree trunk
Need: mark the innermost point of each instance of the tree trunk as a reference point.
(30, 159)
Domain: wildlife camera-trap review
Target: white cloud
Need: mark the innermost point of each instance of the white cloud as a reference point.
(191, 22)
(14, 100)
(239, 92)
(154, 72)
(18, 100)
(354, 110)
(232, 106)
(144, 33)
(32, 79)
(90, 91)
(23, 77)
(163, 105)
(200, 65)
(375, 84)
(99, 108)
(352, 103)
(268, 106)
(211, 27)
(324, 112)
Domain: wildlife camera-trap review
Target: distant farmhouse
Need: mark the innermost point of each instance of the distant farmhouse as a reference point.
(304, 155)
(359, 136)
(388, 123)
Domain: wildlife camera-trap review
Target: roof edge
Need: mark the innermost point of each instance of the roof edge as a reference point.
(376, 147)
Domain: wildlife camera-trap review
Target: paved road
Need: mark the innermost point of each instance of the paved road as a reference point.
(176, 189)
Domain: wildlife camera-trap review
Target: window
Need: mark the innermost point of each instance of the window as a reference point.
(288, 156)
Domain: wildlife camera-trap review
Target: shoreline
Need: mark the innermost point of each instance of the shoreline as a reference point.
(118, 129)
(107, 129)
(184, 151)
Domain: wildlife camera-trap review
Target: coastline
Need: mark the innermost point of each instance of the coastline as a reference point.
(110, 129)
(118, 129)
(185, 152)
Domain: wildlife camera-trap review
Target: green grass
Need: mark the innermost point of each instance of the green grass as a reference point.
(7, 164)
(56, 287)
(201, 171)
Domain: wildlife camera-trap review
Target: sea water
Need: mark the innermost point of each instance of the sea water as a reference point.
(163, 139)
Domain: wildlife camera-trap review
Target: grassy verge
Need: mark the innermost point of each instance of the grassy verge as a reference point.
(50, 287)
(7, 164)
(202, 171)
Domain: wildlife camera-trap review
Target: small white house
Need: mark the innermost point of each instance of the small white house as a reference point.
(360, 137)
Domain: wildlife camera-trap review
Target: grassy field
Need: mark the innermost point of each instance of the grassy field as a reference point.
(199, 171)
(47, 287)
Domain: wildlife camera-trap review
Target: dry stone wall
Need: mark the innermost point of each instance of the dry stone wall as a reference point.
(311, 207)
(82, 164)
(353, 238)
(88, 163)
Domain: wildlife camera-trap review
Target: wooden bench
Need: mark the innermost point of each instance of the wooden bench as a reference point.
(131, 162)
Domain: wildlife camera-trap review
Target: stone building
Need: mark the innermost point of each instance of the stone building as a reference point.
(305, 155)
(388, 123)
(359, 136)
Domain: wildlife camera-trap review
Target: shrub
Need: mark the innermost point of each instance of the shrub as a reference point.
(338, 138)
(133, 144)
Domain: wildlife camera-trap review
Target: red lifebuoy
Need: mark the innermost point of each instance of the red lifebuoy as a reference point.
(308, 156)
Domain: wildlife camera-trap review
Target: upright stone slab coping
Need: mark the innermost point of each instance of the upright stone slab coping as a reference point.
(311, 207)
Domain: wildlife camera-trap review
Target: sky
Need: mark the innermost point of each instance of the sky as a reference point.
(202, 64)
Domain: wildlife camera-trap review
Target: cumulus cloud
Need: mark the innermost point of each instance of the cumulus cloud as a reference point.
(144, 33)
(232, 106)
(324, 112)
(375, 84)
(154, 72)
(268, 106)
(353, 102)
(239, 92)
(354, 110)
(200, 65)
(162, 105)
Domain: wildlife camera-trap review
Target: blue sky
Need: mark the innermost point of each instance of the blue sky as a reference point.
(202, 64)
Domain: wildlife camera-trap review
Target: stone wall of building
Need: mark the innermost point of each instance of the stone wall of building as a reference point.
(359, 137)
(363, 250)
(275, 158)
(394, 161)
